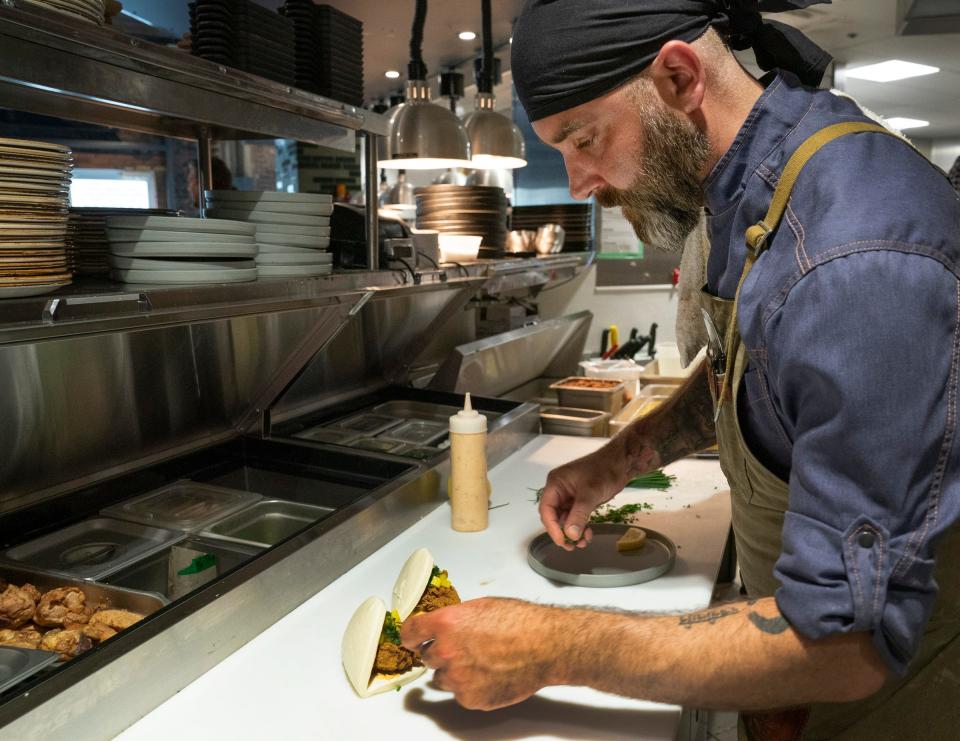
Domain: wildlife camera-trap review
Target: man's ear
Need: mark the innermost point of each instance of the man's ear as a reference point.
(679, 76)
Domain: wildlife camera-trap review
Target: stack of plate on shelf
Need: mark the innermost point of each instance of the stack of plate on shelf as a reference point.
(88, 10)
(171, 250)
(34, 192)
(244, 35)
(293, 229)
(87, 235)
(329, 50)
(575, 218)
(479, 210)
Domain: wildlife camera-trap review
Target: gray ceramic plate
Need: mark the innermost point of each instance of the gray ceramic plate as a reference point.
(600, 564)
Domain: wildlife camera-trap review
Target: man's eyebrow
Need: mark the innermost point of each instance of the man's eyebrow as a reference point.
(568, 128)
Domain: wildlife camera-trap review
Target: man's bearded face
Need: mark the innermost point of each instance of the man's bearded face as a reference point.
(663, 203)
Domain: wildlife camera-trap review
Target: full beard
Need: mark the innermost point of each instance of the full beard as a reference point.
(663, 203)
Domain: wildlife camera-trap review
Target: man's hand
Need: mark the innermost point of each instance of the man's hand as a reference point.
(574, 490)
(488, 652)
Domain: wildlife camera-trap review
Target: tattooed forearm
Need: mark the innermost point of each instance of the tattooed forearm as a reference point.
(773, 626)
(677, 429)
(708, 616)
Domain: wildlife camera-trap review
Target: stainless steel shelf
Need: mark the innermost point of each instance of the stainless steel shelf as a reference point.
(55, 66)
(100, 305)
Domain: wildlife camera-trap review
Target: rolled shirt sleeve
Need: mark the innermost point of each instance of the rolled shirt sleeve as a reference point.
(864, 379)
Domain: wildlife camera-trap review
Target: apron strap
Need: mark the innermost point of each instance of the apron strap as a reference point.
(758, 234)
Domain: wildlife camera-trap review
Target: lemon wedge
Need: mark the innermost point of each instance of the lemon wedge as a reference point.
(632, 540)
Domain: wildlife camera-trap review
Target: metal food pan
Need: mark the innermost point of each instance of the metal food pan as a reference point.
(423, 410)
(578, 422)
(609, 399)
(366, 423)
(417, 432)
(377, 444)
(267, 522)
(115, 597)
(183, 567)
(328, 435)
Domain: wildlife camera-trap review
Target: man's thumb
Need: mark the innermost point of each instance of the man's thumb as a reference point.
(576, 522)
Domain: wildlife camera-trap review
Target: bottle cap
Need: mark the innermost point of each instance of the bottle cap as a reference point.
(468, 421)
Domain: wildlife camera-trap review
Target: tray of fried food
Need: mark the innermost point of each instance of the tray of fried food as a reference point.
(65, 616)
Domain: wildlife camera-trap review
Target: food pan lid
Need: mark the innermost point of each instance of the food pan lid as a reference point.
(16, 664)
(183, 505)
(92, 549)
(602, 565)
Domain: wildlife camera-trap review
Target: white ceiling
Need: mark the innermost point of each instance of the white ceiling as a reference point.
(855, 31)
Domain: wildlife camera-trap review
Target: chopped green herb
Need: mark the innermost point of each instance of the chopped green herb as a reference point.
(391, 630)
(436, 571)
(538, 492)
(653, 480)
(617, 514)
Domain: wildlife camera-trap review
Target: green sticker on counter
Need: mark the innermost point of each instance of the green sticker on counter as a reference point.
(200, 563)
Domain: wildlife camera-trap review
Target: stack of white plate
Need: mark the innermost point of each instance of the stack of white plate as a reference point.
(34, 191)
(170, 250)
(88, 10)
(87, 236)
(293, 229)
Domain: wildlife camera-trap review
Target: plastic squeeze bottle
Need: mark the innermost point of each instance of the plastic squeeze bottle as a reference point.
(469, 488)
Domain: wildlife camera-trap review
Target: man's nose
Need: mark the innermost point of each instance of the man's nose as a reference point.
(583, 181)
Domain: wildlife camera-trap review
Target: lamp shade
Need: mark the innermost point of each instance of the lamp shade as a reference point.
(423, 136)
(495, 141)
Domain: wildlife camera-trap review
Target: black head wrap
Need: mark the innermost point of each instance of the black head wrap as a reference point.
(569, 52)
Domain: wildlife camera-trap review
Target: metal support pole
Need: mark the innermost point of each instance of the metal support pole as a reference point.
(204, 165)
(371, 199)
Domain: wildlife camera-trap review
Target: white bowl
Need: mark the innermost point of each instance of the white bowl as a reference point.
(459, 247)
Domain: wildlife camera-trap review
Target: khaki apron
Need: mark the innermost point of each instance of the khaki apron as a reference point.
(926, 703)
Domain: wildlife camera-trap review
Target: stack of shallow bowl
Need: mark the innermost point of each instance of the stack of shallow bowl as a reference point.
(34, 192)
(87, 235)
(87, 10)
(477, 210)
(171, 250)
(293, 229)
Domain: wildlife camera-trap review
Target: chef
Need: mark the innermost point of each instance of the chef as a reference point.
(832, 306)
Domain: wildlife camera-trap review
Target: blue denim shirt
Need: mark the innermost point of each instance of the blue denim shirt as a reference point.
(851, 324)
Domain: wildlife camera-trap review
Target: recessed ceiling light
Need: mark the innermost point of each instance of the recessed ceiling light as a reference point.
(467, 36)
(890, 71)
(906, 123)
(391, 74)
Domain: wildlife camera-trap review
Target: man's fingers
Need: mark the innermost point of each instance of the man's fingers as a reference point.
(550, 514)
(417, 630)
(577, 521)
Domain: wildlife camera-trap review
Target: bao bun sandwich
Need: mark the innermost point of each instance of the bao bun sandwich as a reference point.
(373, 657)
(422, 586)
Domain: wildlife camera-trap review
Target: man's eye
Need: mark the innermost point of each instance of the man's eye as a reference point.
(584, 143)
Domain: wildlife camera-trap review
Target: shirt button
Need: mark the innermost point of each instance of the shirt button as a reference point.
(866, 539)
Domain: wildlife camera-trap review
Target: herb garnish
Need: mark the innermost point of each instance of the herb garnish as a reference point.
(391, 629)
(617, 514)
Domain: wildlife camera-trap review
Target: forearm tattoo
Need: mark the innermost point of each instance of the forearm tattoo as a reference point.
(708, 616)
(773, 626)
(678, 429)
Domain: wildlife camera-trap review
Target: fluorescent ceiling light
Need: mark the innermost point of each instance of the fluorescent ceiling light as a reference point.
(906, 123)
(391, 74)
(467, 35)
(890, 71)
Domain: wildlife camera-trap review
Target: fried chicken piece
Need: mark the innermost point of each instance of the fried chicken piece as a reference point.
(67, 643)
(16, 607)
(32, 591)
(98, 632)
(436, 597)
(116, 619)
(60, 607)
(394, 659)
(26, 638)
